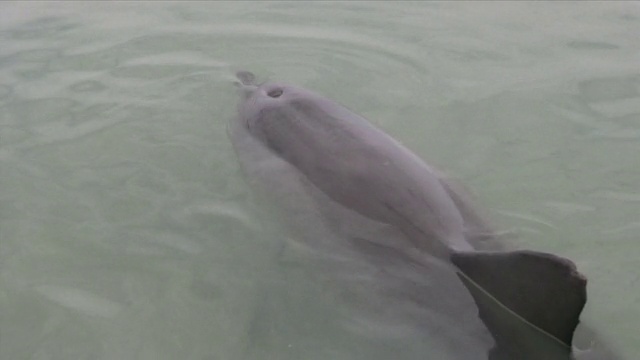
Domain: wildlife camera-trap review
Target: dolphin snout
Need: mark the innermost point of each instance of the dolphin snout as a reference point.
(245, 83)
(246, 78)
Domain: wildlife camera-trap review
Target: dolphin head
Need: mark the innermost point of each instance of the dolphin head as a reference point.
(271, 110)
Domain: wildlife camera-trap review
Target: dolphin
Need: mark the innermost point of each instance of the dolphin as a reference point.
(507, 304)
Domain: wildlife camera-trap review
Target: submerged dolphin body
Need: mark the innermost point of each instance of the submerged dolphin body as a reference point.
(505, 304)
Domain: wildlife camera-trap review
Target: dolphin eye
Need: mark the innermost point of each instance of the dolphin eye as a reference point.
(275, 93)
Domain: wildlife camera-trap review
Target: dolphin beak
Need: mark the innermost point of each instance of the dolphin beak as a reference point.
(246, 77)
(246, 84)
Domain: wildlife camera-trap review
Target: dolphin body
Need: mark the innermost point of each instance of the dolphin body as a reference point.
(339, 177)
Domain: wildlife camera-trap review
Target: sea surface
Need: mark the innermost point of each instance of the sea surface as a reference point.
(128, 231)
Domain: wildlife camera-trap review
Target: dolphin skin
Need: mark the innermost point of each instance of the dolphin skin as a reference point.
(507, 304)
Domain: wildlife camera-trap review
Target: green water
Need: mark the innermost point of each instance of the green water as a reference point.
(127, 230)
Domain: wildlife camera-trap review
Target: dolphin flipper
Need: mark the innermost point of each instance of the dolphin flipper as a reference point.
(523, 292)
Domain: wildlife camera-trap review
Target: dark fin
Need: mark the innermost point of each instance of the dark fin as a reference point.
(524, 291)
(246, 77)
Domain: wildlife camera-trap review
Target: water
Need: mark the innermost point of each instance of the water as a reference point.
(127, 230)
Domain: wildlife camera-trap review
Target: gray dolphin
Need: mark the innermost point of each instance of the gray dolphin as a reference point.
(510, 304)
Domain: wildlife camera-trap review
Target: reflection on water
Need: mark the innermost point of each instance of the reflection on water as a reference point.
(127, 230)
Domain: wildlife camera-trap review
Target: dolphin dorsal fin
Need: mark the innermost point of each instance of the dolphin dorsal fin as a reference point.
(544, 290)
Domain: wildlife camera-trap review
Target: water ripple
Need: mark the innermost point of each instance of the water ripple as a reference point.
(80, 300)
(119, 173)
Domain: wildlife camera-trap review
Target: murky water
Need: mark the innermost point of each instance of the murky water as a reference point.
(128, 232)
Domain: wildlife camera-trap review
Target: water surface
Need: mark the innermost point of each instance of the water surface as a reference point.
(128, 232)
